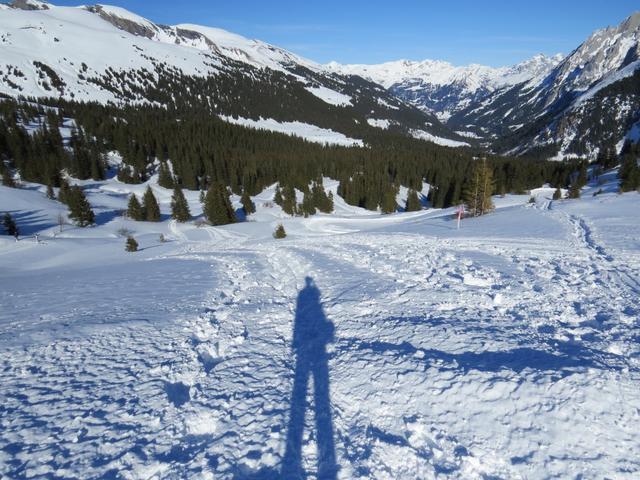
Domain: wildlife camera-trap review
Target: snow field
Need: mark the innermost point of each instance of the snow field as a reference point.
(505, 349)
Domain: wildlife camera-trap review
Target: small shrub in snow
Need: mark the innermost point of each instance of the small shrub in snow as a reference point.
(279, 232)
(131, 245)
(557, 195)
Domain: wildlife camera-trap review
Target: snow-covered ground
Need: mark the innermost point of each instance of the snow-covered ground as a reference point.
(506, 349)
(306, 131)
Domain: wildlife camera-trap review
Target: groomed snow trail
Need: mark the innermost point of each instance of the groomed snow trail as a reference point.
(455, 355)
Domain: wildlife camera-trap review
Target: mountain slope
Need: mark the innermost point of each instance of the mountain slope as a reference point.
(556, 114)
(442, 88)
(109, 55)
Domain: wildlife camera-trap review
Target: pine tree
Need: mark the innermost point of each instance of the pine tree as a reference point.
(134, 209)
(51, 195)
(574, 189)
(7, 177)
(165, 179)
(217, 206)
(280, 232)
(321, 200)
(10, 225)
(277, 198)
(247, 204)
(413, 202)
(388, 203)
(131, 245)
(63, 193)
(557, 195)
(479, 188)
(150, 206)
(202, 197)
(629, 173)
(330, 206)
(179, 206)
(289, 201)
(79, 207)
(582, 178)
(308, 207)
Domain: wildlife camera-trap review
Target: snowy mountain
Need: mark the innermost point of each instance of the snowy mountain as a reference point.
(548, 106)
(109, 55)
(589, 100)
(442, 88)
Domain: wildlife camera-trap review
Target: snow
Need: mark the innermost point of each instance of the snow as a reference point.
(468, 134)
(331, 96)
(306, 131)
(505, 349)
(379, 123)
(441, 73)
(51, 36)
(447, 142)
(126, 15)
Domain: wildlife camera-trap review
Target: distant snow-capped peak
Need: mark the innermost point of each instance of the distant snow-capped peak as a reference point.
(441, 73)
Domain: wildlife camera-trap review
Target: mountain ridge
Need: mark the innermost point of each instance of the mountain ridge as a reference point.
(112, 56)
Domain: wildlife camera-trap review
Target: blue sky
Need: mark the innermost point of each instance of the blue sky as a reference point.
(491, 32)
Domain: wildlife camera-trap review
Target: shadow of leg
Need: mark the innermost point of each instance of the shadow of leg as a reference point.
(292, 462)
(327, 468)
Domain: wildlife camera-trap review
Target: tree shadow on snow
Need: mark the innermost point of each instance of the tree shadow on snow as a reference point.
(563, 359)
(30, 222)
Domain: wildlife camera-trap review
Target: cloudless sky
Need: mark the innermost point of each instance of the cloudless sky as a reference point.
(490, 32)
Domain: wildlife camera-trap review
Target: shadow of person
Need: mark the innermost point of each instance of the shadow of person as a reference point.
(311, 334)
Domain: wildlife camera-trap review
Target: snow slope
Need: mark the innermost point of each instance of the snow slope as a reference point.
(505, 349)
(438, 72)
(299, 129)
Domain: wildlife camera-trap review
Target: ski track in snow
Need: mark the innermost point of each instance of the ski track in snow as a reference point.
(454, 357)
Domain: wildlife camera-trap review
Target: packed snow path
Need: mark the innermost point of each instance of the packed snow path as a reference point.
(508, 349)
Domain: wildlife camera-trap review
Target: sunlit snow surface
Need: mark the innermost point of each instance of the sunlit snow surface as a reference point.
(306, 131)
(506, 349)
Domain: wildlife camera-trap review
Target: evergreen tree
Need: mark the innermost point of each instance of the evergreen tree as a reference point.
(134, 209)
(51, 195)
(150, 206)
(574, 189)
(280, 232)
(308, 207)
(247, 204)
(165, 179)
(10, 225)
(131, 245)
(557, 195)
(330, 206)
(202, 196)
(79, 207)
(582, 178)
(413, 202)
(179, 206)
(607, 157)
(388, 203)
(63, 193)
(321, 200)
(277, 198)
(7, 178)
(217, 206)
(479, 188)
(629, 173)
(289, 200)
